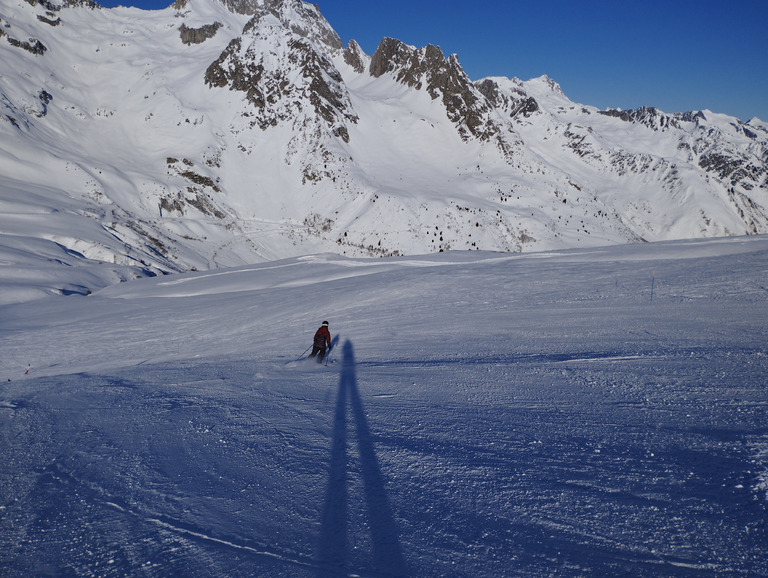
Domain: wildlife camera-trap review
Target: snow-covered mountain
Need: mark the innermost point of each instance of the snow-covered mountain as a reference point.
(217, 133)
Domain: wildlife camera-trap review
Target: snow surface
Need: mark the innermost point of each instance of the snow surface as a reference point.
(483, 414)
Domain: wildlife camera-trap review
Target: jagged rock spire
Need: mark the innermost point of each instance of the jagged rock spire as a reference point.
(283, 36)
(428, 69)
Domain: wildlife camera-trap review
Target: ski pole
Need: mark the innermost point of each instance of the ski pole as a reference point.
(302, 355)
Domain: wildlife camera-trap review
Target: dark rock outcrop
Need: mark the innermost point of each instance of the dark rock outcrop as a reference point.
(428, 69)
(268, 77)
(511, 105)
(355, 57)
(647, 115)
(198, 35)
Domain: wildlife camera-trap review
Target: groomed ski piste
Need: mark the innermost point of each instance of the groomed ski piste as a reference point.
(484, 414)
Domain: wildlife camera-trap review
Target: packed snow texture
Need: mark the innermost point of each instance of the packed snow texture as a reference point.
(586, 412)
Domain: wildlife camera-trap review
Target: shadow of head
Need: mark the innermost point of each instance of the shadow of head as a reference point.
(348, 355)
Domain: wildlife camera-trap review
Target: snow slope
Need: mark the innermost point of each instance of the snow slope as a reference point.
(483, 414)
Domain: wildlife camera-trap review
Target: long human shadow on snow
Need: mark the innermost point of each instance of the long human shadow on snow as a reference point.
(333, 545)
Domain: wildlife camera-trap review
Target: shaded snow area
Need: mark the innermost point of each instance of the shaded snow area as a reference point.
(482, 414)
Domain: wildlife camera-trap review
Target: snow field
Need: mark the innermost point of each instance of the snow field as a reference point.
(482, 414)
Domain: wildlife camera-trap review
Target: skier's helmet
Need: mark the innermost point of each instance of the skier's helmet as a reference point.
(325, 324)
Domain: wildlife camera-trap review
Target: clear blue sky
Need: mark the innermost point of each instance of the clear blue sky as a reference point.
(677, 55)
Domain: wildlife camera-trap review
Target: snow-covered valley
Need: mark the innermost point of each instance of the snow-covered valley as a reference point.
(483, 414)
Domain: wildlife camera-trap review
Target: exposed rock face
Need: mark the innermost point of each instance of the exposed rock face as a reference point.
(32, 46)
(198, 35)
(267, 76)
(428, 69)
(649, 116)
(510, 104)
(55, 6)
(49, 21)
(355, 57)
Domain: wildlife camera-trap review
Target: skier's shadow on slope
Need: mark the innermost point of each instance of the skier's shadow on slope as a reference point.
(333, 546)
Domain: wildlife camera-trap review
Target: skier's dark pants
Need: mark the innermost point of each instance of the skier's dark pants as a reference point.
(315, 351)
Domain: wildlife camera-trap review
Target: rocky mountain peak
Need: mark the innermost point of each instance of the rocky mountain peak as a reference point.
(301, 18)
(428, 69)
(550, 83)
(511, 103)
(356, 58)
(282, 37)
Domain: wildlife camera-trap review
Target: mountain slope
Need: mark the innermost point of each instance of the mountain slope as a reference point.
(213, 134)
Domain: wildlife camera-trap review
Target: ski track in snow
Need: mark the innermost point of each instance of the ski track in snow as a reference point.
(480, 416)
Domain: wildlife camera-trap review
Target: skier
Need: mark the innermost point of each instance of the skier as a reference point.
(322, 341)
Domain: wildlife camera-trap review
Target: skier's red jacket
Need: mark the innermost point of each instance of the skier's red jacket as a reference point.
(323, 337)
